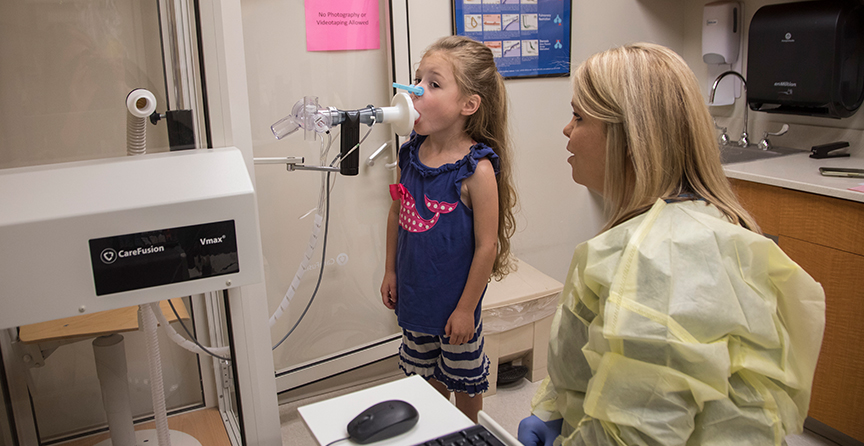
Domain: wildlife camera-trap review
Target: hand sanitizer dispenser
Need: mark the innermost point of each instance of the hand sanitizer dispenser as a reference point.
(721, 33)
(721, 43)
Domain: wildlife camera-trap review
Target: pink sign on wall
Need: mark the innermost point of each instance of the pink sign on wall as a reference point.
(334, 25)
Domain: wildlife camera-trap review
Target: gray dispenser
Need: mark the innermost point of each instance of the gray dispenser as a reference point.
(807, 58)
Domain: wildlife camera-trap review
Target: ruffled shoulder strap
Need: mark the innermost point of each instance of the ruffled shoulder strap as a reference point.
(478, 152)
(409, 149)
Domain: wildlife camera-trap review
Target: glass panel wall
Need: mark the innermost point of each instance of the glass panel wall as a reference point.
(347, 312)
(67, 69)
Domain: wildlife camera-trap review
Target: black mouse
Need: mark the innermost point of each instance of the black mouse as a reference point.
(382, 421)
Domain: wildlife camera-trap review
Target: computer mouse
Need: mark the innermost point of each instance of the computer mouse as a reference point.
(382, 421)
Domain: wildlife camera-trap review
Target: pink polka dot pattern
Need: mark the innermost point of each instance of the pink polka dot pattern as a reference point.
(409, 219)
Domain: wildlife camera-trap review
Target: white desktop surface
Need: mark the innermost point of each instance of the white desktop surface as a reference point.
(328, 420)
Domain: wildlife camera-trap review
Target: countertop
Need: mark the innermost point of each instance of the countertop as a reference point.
(800, 172)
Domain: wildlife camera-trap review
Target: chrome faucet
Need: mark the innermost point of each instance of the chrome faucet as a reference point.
(745, 139)
(723, 139)
(765, 144)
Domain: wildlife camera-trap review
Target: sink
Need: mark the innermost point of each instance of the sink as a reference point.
(735, 154)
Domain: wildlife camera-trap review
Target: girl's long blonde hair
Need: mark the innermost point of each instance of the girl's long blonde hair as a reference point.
(660, 139)
(476, 73)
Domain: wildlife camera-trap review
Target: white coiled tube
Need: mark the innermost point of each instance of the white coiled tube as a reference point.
(140, 103)
(180, 340)
(304, 265)
(154, 363)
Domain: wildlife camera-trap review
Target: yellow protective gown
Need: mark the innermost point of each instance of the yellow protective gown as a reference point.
(692, 330)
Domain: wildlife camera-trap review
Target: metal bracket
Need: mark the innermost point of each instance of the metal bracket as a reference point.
(31, 355)
(371, 160)
(226, 375)
(293, 163)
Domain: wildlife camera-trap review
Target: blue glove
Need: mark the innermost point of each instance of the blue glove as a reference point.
(536, 432)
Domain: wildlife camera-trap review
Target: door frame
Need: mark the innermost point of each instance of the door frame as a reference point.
(224, 67)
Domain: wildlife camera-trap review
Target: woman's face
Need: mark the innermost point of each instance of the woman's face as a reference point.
(588, 145)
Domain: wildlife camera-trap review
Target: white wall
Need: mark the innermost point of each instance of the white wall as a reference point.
(558, 214)
(555, 213)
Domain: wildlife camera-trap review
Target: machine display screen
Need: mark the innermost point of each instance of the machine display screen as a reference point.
(165, 256)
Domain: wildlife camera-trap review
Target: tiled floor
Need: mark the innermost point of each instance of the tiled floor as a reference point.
(507, 407)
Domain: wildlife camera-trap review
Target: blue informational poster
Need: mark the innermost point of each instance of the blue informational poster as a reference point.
(529, 38)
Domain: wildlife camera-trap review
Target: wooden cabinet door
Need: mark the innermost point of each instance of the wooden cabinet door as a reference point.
(838, 388)
(762, 202)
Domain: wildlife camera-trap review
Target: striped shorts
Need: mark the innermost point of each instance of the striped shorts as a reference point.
(461, 368)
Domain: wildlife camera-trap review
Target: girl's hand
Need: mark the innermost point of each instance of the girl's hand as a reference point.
(460, 327)
(388, 290)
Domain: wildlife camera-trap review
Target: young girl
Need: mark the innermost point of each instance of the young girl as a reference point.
(451, 220)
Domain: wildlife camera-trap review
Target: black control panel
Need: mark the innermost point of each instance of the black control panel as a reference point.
(165, 256)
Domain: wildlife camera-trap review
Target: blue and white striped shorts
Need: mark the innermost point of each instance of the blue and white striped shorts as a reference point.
(461, 368)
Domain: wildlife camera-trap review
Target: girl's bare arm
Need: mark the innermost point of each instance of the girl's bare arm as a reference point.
(483, 192)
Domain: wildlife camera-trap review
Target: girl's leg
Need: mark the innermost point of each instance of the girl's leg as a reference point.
(468, 366)
(441, 388)
(469, 405)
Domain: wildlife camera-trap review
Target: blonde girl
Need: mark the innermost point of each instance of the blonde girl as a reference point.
(449, 227)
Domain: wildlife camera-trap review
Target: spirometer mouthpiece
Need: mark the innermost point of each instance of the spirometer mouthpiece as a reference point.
(309, 116)
(401, 114)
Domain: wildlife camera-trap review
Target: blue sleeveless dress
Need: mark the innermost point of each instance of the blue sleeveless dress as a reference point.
(436, 237)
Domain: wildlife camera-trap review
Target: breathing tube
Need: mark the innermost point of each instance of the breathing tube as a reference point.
(140, 103)
(313, 240)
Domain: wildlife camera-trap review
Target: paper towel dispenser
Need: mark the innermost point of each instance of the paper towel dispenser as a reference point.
(807, 58)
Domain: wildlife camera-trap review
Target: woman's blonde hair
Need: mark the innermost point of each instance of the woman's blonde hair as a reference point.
(660, 139)
(475, 71)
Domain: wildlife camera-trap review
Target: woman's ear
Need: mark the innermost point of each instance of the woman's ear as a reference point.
(471, 105)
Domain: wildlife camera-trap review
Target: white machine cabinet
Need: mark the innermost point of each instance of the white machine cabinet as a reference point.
(89, 236)
(84, 237)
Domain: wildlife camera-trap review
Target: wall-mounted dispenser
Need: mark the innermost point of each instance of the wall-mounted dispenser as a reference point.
(721, 45)
(807, 58)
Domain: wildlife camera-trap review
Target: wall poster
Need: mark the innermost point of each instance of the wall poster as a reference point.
(529, 38)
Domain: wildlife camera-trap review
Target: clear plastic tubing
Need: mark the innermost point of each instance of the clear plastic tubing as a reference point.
(304, 265)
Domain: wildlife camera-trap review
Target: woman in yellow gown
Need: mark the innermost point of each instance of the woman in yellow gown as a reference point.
(679, 324)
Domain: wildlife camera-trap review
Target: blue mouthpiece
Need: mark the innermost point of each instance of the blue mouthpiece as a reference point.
(410, 88)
